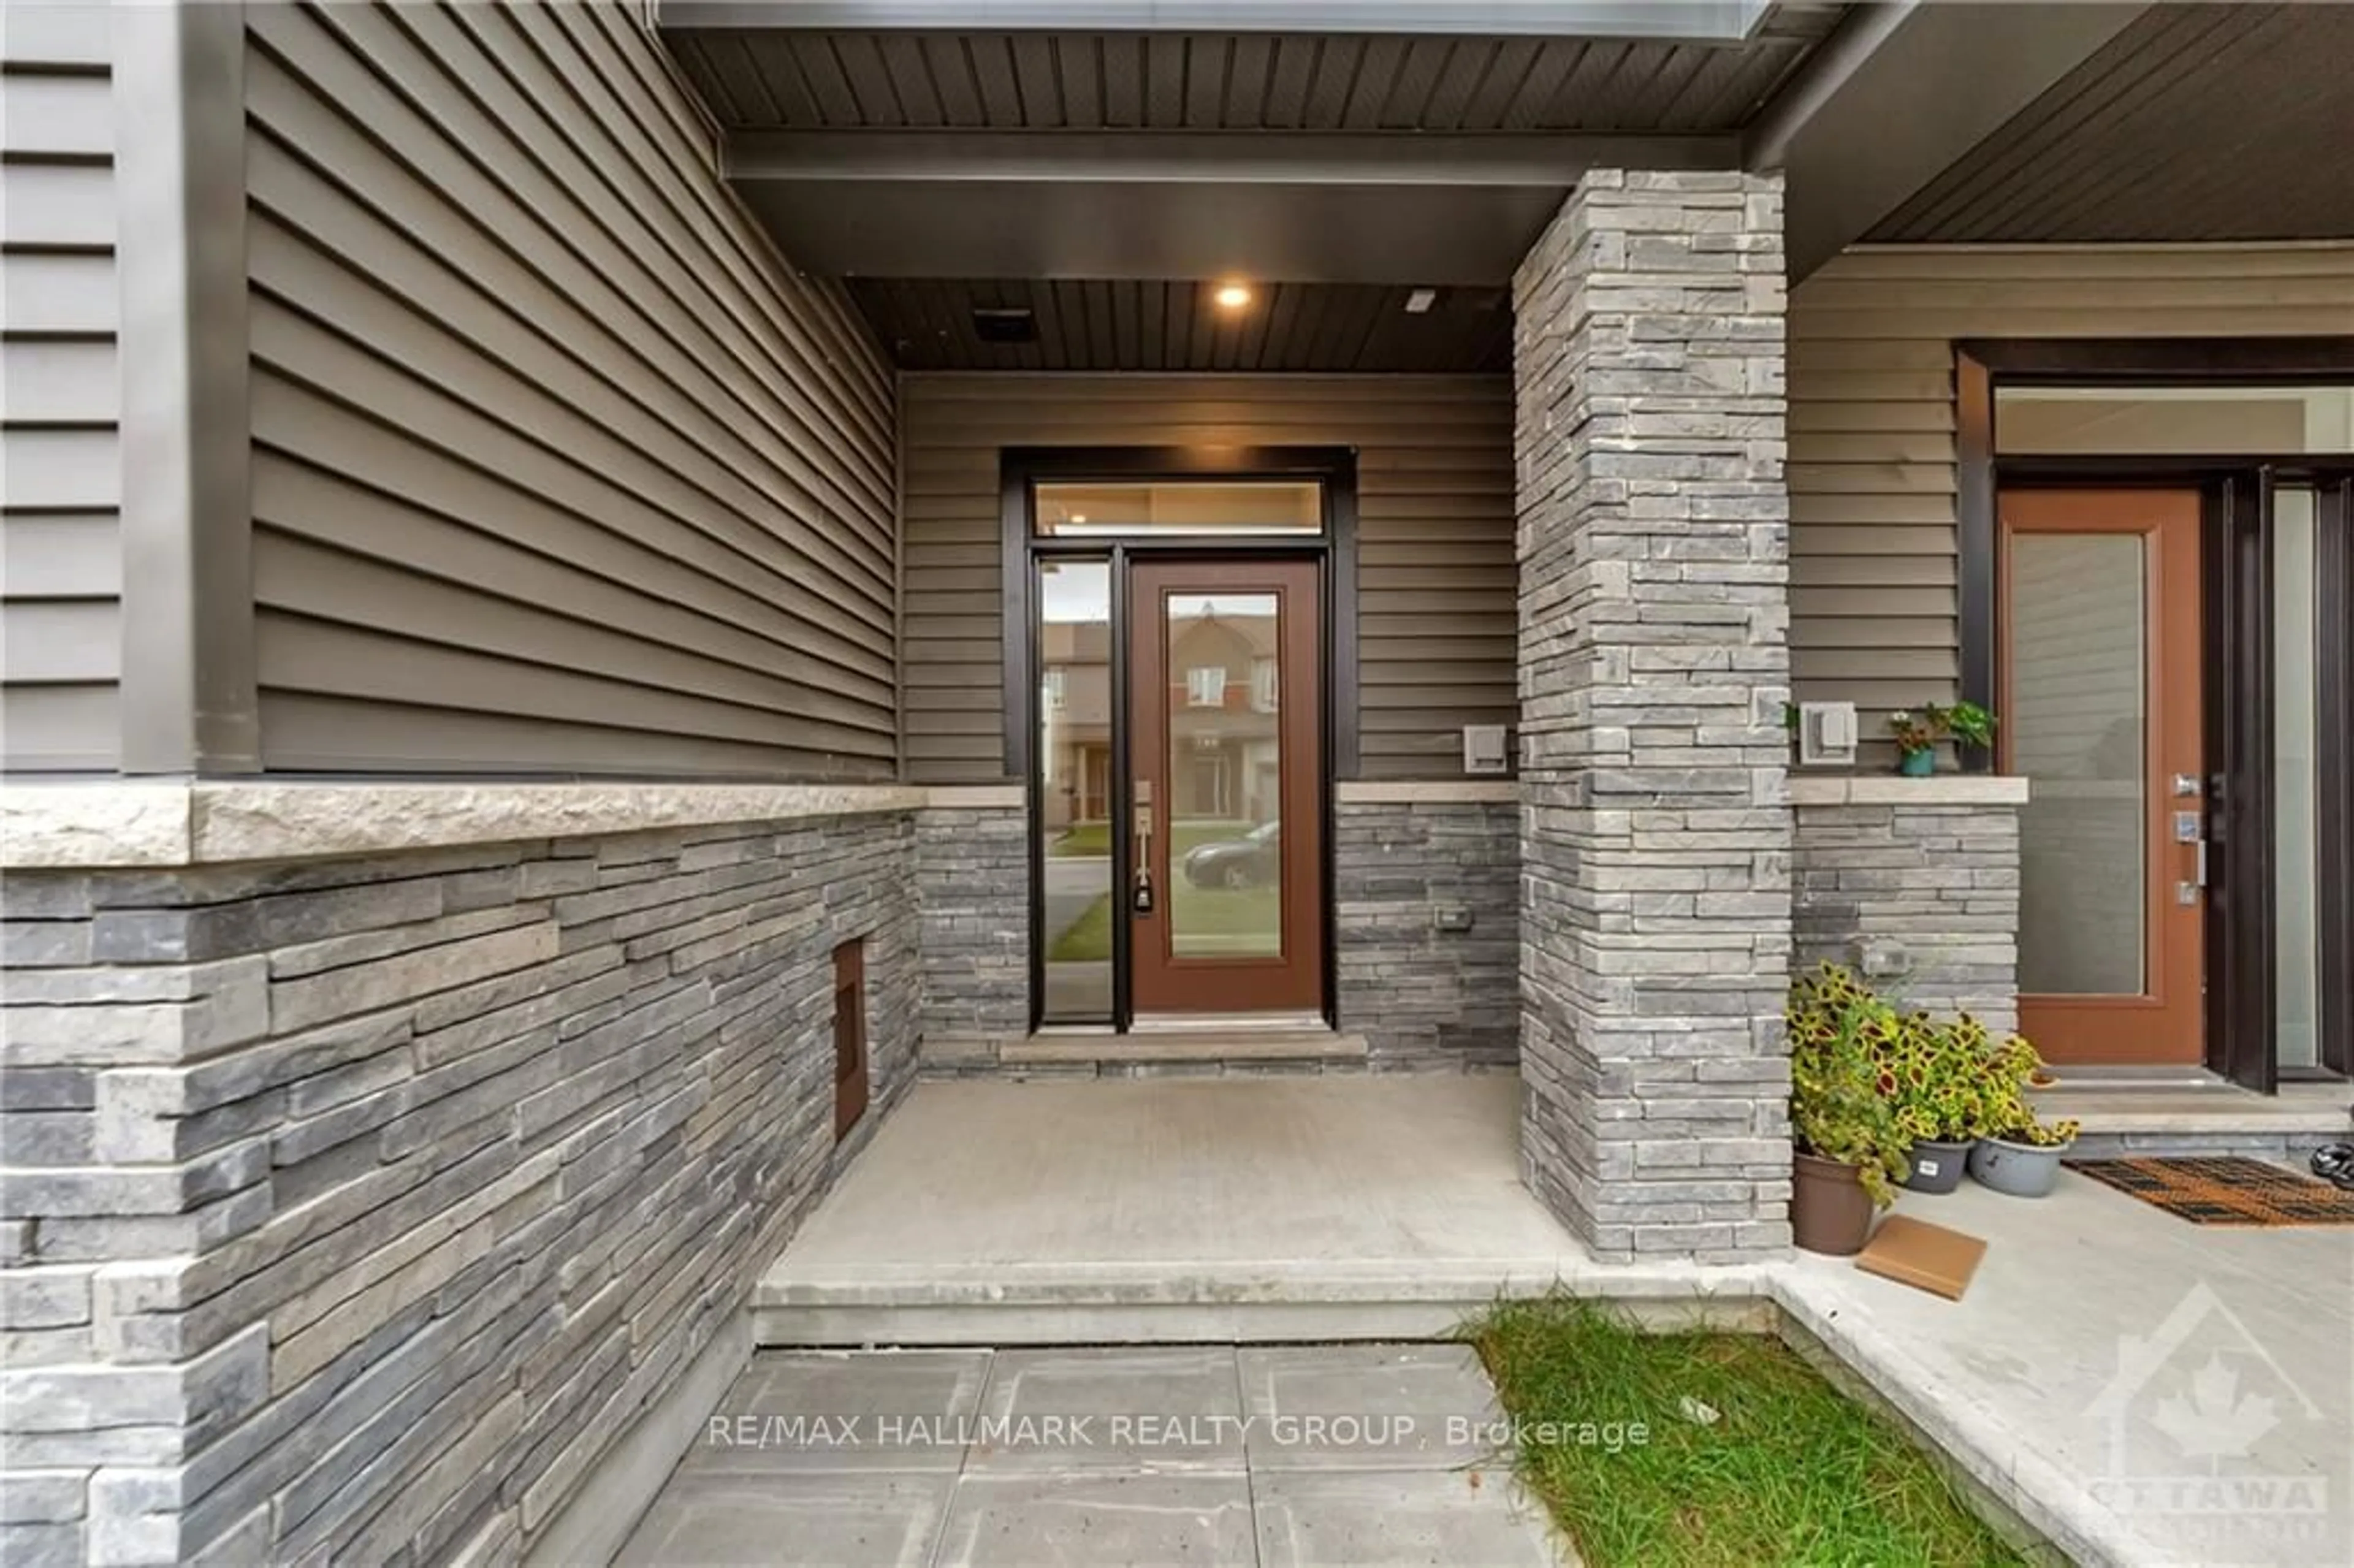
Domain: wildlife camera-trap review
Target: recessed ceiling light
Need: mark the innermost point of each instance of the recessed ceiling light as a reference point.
(1418, 303)
(1232, 297)
(1079, 517)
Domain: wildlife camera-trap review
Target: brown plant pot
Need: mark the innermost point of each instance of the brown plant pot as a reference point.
(1830, 1211)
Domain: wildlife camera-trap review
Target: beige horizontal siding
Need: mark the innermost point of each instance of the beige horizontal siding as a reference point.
(60, 473)
(1874, 580)
(1434, 568)
(557, 467)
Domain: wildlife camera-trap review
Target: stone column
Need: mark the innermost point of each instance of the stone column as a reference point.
(1654, 662)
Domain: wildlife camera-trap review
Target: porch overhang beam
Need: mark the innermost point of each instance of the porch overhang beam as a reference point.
(1694, 21)
(1414, 234)
(1224, 157)
(1900, 92)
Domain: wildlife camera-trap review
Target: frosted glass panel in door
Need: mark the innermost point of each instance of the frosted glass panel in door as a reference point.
(2297, 844)
(2079, 731)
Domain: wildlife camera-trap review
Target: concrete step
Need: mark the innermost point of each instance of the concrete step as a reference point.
(2196, 1114)
(1186, 1045)
(1160, 1050)
(1173, 1303)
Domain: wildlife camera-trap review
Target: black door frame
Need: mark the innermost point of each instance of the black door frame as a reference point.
(1023, 548)
(2241, 1004)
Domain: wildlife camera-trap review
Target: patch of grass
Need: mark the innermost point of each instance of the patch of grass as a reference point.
(1086, 839)
(1792, 1472)
(1086, 940)
(1197, 912)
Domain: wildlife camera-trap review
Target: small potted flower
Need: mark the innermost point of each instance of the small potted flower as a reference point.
(1938, 1071)
(2017, 1152)
(1918, 733)
(1849, 1150)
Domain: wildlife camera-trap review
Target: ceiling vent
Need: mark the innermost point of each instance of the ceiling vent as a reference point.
(1016, 325)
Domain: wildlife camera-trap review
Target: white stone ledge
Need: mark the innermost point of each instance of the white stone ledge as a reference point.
(1435, 793)
(975, 797)
(86, 826)
(1895, 790)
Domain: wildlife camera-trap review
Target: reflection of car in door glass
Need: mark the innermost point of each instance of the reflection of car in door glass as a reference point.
(1250, 861)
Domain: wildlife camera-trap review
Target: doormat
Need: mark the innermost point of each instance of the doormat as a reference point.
(2227, 1190)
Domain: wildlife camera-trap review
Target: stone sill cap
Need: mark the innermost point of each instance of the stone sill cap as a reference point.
(1895, 790)
(1433, 792)
(89, 825)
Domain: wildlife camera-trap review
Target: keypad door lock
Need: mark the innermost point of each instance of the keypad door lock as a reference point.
(2190, 827)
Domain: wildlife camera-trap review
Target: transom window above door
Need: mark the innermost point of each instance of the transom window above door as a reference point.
(1181, 506)
(2047, 418)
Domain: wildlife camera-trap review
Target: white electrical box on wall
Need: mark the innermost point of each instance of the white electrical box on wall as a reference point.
(1826, 735)
(1483, 749)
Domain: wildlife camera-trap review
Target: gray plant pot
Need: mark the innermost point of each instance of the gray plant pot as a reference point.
(2022, 1170)
(1936, 1167)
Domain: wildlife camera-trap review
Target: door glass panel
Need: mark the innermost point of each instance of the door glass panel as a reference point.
(1225, 770)
(1074, 788)
(2079, 732)
(1264, 506)
(2296, 655)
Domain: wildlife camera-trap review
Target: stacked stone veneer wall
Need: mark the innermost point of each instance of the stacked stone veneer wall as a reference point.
(1923, 898)
(973, 885)
(1654, 662)
(354, 1209)
(1424, 996)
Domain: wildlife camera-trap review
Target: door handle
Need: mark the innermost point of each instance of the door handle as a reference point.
(1141, 894)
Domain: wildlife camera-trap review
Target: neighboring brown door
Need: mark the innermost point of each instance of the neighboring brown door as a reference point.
(1226, 757)
(2100, 710)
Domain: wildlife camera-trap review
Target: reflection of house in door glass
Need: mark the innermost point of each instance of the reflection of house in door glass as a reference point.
(1223, 683)
(1075, 694)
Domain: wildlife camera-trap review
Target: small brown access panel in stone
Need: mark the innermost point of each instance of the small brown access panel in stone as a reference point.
(849, 1035)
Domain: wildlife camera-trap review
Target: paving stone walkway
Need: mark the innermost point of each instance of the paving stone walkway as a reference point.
(1282, 1456)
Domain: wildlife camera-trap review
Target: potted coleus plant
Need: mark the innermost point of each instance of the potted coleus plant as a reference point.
(1936, 1073)
(1851, 1152)
(2017, 1152)
(1918, 732)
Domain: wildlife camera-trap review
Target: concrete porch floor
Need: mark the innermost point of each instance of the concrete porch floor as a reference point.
(2140, 1389)
(1182, 1210)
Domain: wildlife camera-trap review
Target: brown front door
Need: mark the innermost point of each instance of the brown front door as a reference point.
(1225, 893)
(2101, 711)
